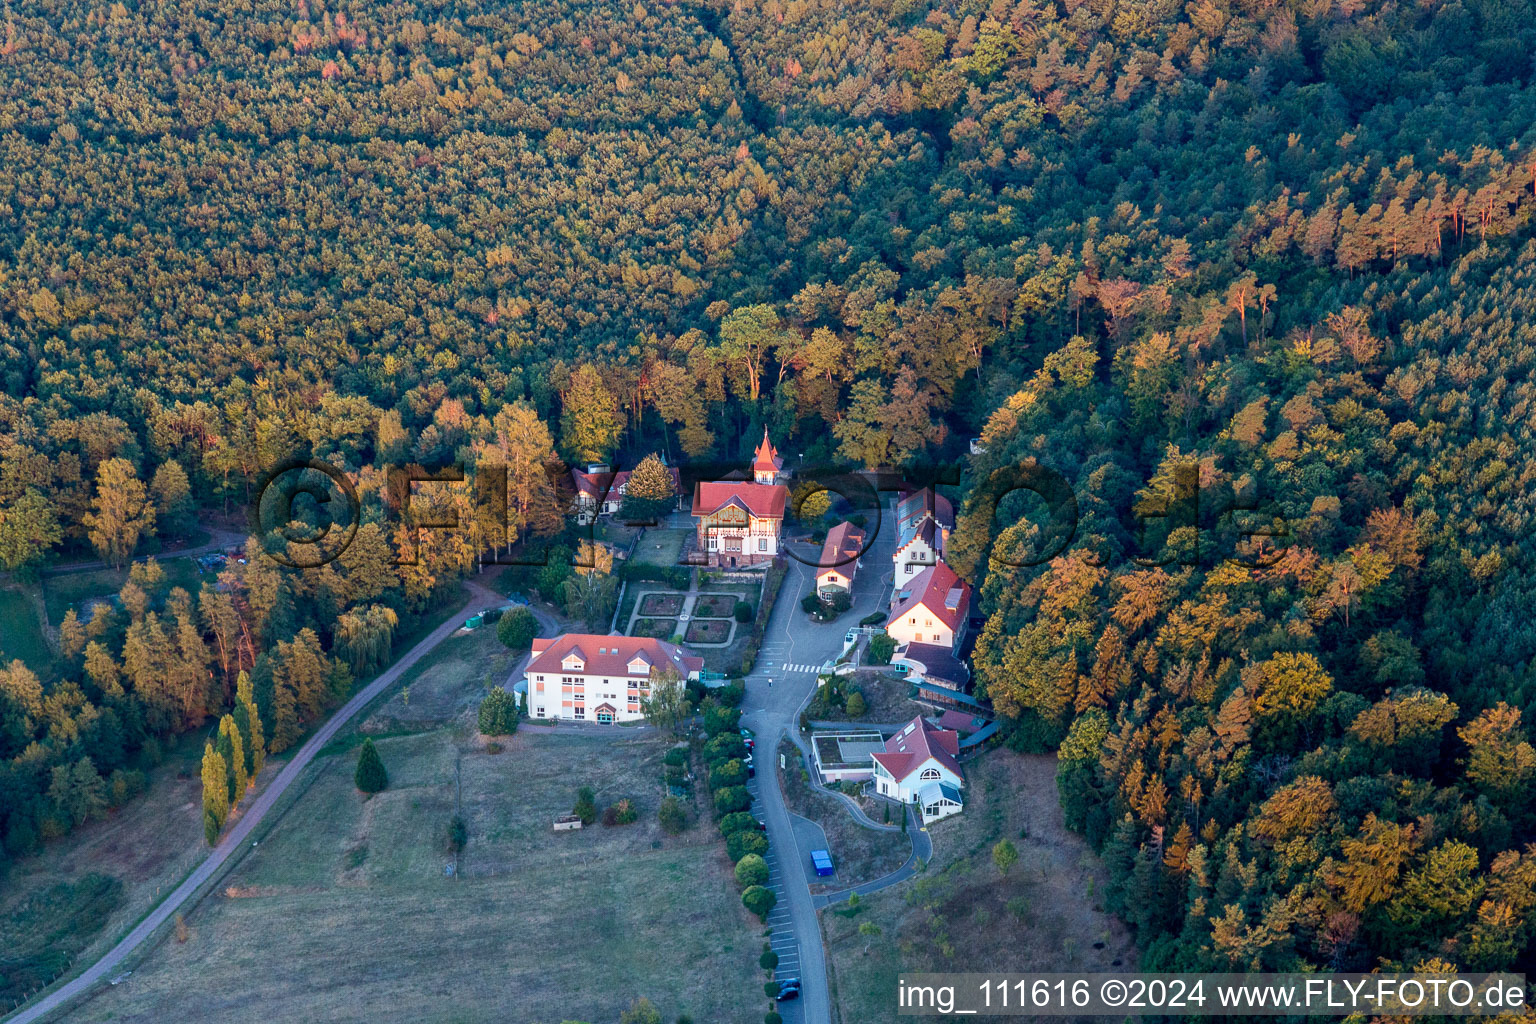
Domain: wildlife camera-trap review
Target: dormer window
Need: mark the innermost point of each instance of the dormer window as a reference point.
(929, 773)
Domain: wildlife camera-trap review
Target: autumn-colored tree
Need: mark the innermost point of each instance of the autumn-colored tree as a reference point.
(121, 512)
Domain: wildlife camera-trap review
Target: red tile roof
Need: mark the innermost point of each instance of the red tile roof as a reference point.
(610, 655)
(766, 501)
(919, 741)
(845, 542)
(766, 458)
(958, 721)
(596, 484)
(940, 591)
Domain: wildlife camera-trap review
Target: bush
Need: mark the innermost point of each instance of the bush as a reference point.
(740, 844)
(610, 816)
(770, 988)
(881, 648)
(772, 1017)
(743, 612)
(856, 704)
(732, 694)
(760, 901)
(727, 746)
(370, 776)
(498, 713)
(737, 821)
(671, 816)
(731, 773)
(751, 870)
(732, 798)
(677, 756)
(676, 775)
(517, 629)
(586, 805)
(872, 619)
(719, 719)
(769, 960)
(458, 834)
(810, 604)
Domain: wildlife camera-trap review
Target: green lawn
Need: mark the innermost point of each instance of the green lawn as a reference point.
(661, 545)
(22, 636)
(344, 912)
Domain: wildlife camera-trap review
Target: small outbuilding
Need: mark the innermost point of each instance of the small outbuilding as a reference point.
(821, 860)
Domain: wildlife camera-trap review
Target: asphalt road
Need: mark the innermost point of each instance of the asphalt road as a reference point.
(772, 708)
(250, 818)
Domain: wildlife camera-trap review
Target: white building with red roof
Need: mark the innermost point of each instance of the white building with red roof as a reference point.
(740, 523)
(930, 610)
(839, 561)
(585, 677)
(924, 519)
(920, 764)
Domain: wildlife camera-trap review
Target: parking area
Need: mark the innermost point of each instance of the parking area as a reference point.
(782, 938)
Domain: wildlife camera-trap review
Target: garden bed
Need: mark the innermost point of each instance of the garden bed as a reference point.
(708, 631)
(661, 605)
(661, 629)
(714, 606)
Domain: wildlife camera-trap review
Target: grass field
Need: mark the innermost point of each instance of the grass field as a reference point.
(661, 545)
(961, 915)
(22, 635)
(344, 912)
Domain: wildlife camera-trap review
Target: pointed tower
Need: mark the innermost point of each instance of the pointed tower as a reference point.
(766, 462)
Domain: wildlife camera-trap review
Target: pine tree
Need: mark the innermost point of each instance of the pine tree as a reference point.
(370, 776)
(215, 793)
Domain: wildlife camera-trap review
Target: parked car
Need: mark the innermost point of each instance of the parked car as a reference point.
(789, 988)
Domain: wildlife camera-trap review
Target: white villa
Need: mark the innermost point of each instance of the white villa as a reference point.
(918, 764)
(739, 523)
(584, 677)
(931, 609)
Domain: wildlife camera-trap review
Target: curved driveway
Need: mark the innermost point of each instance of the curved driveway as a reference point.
(250, 818)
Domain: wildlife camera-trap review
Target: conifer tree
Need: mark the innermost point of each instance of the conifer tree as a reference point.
(239, 776)
(255, 741)
(370, 776)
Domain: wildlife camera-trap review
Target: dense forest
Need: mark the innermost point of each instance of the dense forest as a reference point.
(1283, 249)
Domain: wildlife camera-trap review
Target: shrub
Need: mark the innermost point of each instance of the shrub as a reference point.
(732, 798)
(731, 773)
(498, 713)
(770, 988)
(737, 821)
(740, 844)
(751, 870)
(840, 601)
(517, 629)
(872, 619)
(810, 604)
(458, 834)
(370, 776)
(671, 815)
(677, 756)
(676, 775)
(719, 719)
(760, 901)
(772, 1017)
(743, 612)
(610, 815)
(881, 648)
(725, 747)
(856, 704)
(627, 815)
(769, 960)
(586, 805)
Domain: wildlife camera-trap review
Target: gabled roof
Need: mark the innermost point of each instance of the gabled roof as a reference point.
(595, 485)
(938, 590)
(915, 744)
(844, 544)
(766, 458)
(766, 501)
(610, 655)
(925, 530)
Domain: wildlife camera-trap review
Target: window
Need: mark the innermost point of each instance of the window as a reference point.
(762, 543)
(912, 621)
(927, 622)
(929, 773)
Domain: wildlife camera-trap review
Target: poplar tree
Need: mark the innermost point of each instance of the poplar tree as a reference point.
(215, 793)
